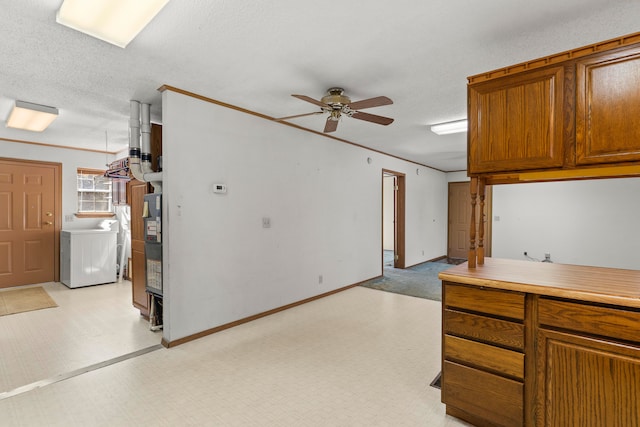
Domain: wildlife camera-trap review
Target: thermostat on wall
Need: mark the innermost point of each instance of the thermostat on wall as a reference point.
(219, 188)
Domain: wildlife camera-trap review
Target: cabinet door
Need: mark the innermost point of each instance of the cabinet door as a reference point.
(136, 192)
(586, 381)
(139, 278)
(516, 123)
(608, 107)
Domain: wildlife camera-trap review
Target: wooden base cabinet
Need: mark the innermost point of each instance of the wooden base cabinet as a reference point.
(587, 382)
(541, 345)
(483, 355)
(587, 374)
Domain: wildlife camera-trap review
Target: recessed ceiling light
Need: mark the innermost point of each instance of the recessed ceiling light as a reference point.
(450, 127)
(33, 117)
(114, 21)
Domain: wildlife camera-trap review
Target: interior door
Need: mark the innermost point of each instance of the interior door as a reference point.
(29, 222)
(460, 220)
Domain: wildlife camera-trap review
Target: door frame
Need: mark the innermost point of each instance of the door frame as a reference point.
(399, 218)
(57, 203)
(488, 204)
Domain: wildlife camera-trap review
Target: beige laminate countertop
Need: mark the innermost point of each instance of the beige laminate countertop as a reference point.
(585, 283)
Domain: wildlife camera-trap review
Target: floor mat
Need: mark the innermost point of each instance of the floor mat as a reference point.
(21, 300)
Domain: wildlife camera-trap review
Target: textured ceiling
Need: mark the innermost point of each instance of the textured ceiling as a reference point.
(256, 54)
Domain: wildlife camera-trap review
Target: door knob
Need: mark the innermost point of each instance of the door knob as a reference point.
(49, 214)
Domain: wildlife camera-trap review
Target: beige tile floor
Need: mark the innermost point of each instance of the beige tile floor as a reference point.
(358, 358)
(90, 325)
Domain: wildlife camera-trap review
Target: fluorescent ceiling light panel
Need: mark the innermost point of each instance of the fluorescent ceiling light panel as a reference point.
(450, 127)
(114, 21)
(33, 117)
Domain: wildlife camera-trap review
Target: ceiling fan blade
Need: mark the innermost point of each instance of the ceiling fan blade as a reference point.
(371, 102)
(311, 100)
(372, 118)
(279, 119)
(331, 125)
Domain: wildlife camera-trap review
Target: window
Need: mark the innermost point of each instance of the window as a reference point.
(94, 193)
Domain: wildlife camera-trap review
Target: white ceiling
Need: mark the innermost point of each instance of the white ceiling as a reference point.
(256, 54)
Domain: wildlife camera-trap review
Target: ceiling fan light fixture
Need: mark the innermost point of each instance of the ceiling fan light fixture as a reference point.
(33, 117)
(114, 21)
(336, 103)
(456, 126)
(335, 97)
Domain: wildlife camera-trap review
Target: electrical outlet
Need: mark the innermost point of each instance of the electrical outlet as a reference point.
(320, 279)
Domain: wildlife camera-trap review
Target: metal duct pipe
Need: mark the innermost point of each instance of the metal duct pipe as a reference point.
(145, 130)
(142, 170)
(134, 129)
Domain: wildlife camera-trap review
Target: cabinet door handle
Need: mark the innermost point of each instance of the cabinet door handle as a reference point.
(49, 214)
(48, 223)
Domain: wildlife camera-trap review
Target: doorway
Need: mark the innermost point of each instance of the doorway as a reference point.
(393, 219)
(30, 220)
(460, 220)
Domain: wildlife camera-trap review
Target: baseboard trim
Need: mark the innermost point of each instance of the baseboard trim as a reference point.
(173, 343)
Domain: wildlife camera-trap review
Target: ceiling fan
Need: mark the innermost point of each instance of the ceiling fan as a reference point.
(337, 104)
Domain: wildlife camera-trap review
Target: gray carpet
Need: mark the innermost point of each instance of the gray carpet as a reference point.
(418, 281)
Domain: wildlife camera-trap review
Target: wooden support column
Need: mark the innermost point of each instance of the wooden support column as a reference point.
(481, 220)
(473, 188)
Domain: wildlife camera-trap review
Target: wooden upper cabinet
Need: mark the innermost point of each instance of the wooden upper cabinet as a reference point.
(516, 122)
(608, 107)
(571, 115)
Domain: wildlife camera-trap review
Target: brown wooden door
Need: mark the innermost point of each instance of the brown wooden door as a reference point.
(28, 223)
(135, 193)
(460, 220)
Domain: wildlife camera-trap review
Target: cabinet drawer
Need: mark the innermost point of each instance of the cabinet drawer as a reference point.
(482, 328)
(483, 300)
(493, 398)
(603, 321)
(495, 359)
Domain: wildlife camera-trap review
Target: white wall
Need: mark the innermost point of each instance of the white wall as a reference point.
(322, 197)
(592, 222)
(71, 160)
